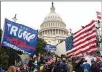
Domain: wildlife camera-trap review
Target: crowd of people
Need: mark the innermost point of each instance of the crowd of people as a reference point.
(50, 62)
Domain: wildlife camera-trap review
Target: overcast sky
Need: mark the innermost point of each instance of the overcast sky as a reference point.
(32, 14)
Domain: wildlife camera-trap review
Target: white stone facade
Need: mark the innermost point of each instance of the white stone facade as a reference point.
(53, 29)
(61, 49)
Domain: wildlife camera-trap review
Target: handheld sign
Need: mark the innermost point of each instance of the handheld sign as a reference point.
(19, 37)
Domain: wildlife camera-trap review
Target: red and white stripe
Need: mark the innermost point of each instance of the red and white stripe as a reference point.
(84, 40)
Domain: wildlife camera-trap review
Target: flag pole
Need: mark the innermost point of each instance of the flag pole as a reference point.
(70, 31)
(99, 32)
(15, 18)
(101, 16)
(101, 24)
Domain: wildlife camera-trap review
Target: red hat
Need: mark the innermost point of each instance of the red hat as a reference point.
(97, 59)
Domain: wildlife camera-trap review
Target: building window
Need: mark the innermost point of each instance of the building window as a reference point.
(51, 32)
(49, 25)
(65, 33)
(61, 25)
(54, 32)
(45, 32)
(48, 32)
(59, 31)
(53, 24)
(61, 41)
(45, 25)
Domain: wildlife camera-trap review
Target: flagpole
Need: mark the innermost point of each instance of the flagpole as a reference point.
(15, 18)
(101, 24)
(101, 30)
(101, 16)
(70, 30)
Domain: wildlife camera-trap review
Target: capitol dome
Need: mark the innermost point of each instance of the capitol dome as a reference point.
(52, 16)
(53, 29)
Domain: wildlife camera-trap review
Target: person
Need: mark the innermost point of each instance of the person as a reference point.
(63, 66)
(11, 68)
(40, 59)
(56, 66)
(86, 66)
(77, 65)
(25, 67)
(1, 70)
(30, 64)
(93, 66)
(35, 64)
(18, 69)
(99, 64)
(70, 67)
(41, 68)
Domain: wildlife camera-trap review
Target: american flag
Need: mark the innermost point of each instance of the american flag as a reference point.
(82, 41)
(98, 14)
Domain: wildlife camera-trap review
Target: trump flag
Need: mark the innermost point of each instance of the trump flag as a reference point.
(19, 37)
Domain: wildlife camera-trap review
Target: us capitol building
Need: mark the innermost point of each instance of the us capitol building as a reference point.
(53, 29)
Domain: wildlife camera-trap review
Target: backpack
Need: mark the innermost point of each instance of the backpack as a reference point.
(63, 67)
(86, 68)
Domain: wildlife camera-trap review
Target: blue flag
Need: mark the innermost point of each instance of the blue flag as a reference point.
(49, 47)
(69, 43)
(19, 37)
